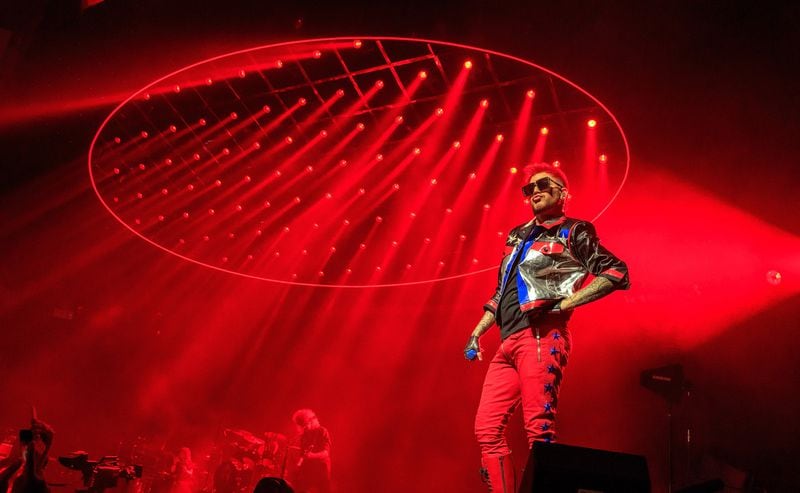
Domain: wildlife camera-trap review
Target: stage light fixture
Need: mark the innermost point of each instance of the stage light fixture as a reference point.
(228, 151)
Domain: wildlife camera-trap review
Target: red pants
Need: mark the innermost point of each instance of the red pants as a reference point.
(526, 369)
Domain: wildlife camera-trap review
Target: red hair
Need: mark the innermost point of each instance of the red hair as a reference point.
(548, 168)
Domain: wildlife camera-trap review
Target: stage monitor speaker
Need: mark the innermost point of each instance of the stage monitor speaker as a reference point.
(558, 468)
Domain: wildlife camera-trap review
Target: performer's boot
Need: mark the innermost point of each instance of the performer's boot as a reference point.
(500, 471)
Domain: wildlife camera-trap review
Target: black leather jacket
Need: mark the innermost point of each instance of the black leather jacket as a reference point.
(557, 258)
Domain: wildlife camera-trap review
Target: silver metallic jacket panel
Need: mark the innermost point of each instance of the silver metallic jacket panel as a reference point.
(561, 256)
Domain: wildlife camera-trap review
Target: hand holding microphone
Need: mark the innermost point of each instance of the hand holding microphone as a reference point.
(473, 349)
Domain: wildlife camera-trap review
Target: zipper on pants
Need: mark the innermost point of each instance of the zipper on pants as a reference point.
(538, 346)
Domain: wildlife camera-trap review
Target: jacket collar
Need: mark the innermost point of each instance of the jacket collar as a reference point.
(528, 227)
(551, 223)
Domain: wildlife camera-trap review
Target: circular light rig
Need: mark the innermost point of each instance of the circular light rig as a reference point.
(386, 169)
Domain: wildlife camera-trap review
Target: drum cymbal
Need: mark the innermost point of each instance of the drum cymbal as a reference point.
(243, 437)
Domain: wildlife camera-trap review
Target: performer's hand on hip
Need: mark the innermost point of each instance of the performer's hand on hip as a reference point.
(473, 349)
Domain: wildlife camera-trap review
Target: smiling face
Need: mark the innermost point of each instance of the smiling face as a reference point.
(547, 195)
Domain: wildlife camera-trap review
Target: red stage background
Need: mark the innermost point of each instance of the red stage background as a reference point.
(111, 338)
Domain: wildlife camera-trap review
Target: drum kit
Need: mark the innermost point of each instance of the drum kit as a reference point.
(244, 458)
(234, 464)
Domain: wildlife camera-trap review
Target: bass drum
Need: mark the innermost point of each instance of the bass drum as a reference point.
(233, 477)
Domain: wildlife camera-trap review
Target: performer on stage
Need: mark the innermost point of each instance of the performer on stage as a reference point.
(182, 472)
(314, 467)
(540, 281)
(24, 468)
(274, 455)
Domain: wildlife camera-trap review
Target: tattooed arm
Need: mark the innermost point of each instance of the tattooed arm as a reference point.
(485, 324)
(595, 290)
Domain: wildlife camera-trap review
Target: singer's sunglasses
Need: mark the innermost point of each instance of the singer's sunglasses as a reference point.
(543, 184)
